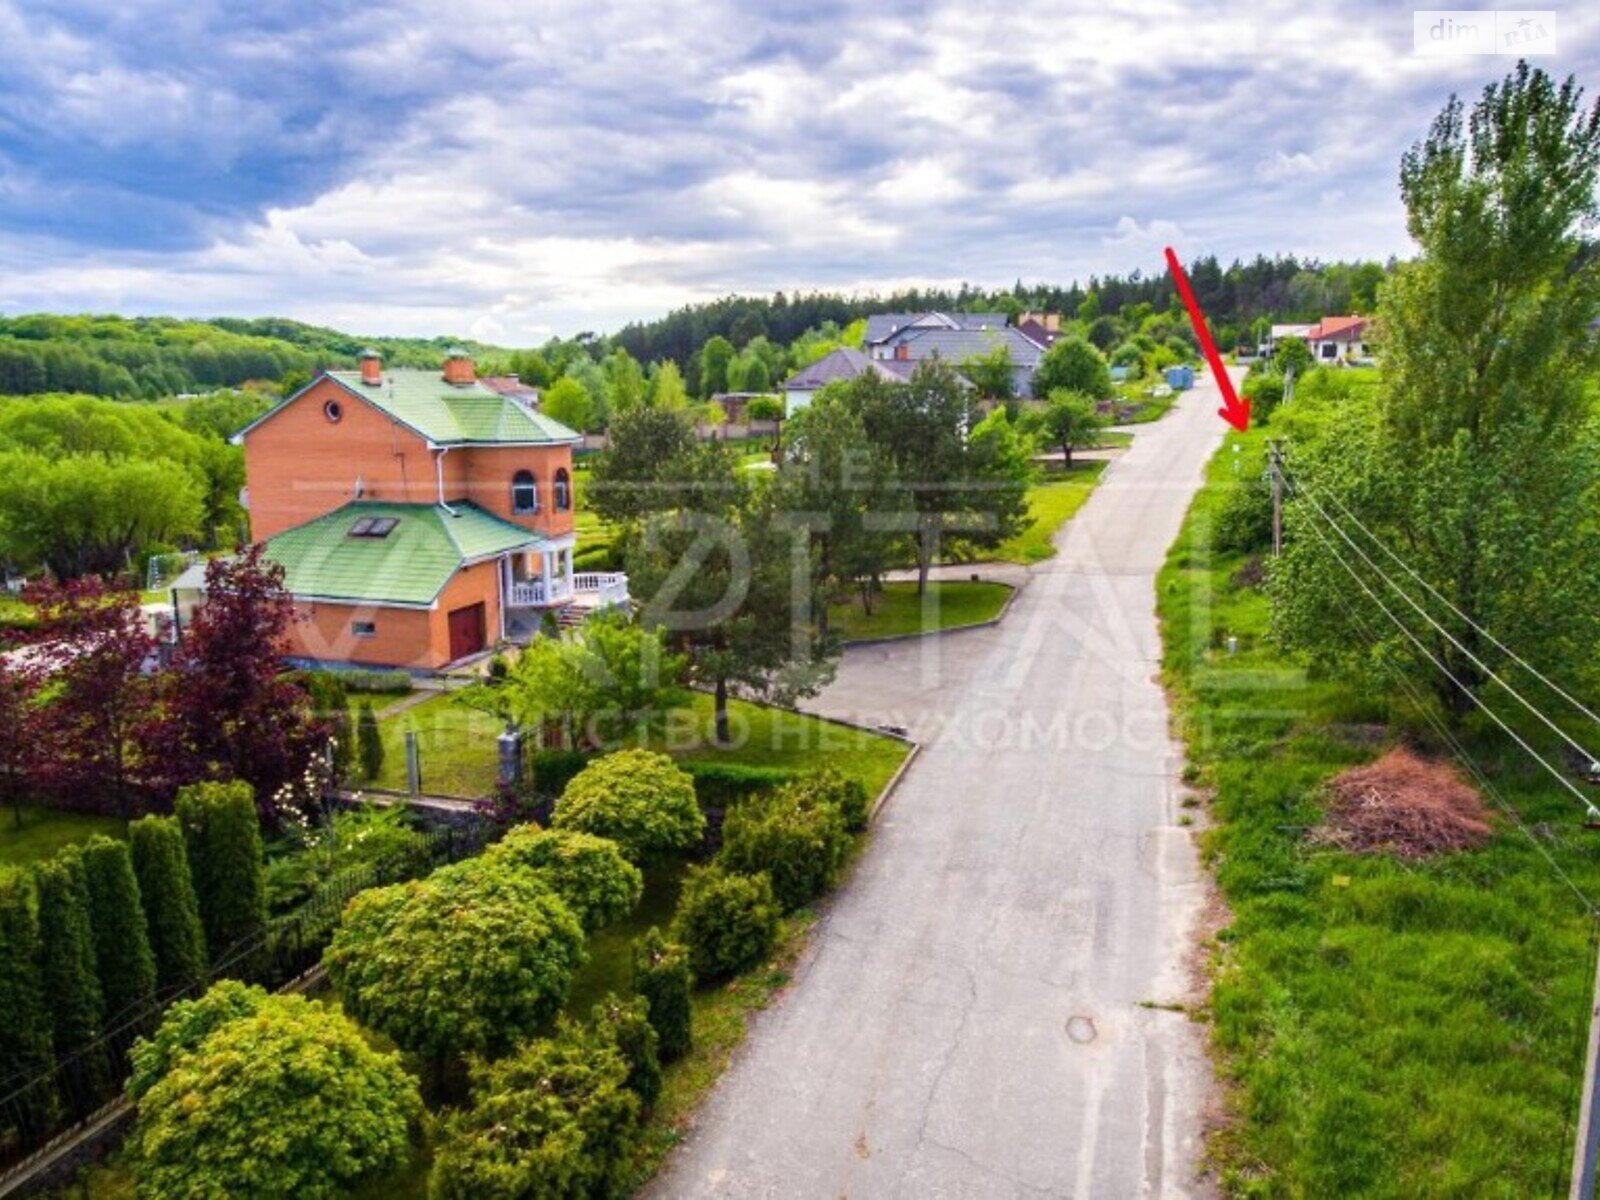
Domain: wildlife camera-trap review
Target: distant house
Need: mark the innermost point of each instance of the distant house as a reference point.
(1044, 328)
(512, 388)
(1340, 339)
(1279, 333)
(886, 331)
(842, 364)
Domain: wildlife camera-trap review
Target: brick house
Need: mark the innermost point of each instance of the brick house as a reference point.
(419, 516)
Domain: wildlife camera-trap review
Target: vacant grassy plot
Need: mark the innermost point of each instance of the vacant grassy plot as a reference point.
(44, 831)
(898, 610)
(1051, 504)
(456, 741)
(1384, 1028)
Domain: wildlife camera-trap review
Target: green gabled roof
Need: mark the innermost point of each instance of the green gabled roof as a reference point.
(453, 414)
(447, 414)
(409, 566)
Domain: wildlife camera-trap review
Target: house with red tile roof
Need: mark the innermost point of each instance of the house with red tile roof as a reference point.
(1340, 340)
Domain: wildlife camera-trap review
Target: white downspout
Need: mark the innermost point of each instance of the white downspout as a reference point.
(438, 464)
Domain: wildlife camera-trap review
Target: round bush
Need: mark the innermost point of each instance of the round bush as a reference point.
(728, 922)
(285, 1098)
(588, 872)
(638, 799)
(798, 842)
(471, 959)
(829, 785)
(661, 977)
(555, 1119)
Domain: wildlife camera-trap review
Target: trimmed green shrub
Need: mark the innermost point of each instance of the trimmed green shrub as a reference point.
(123, 960)
(638, 799)
(722, 785)
(553, 769)
(588, 872)
(661, 977)
(797, 842)
(222, 837)
(625, 1024)
(379, 682)
(728, 922)
(369, 744)
(166, 891)
(379, 836)
(556, 1119)
(829, 785)
(471, 959)
(71, 990)
(266, 1096)
(185, 1026)
(25, 1031)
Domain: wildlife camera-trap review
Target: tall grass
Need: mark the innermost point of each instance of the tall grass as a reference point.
(1382, 1028)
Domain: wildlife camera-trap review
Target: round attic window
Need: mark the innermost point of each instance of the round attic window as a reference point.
(332, 411)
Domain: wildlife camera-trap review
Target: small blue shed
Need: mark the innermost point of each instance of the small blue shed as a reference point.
(1180, 379)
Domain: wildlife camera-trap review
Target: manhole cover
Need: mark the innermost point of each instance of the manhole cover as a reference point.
(1081, 1030)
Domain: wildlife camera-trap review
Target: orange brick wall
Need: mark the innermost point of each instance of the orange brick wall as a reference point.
(418, 639)
(300, 465)
(491, 469)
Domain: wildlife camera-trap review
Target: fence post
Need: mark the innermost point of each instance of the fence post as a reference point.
(413, 765)
(510, 744)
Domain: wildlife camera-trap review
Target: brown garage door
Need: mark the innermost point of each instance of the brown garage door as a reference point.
(467, 630)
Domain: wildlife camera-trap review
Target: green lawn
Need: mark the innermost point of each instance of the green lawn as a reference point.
(1051, 503)
(1382, 1028)
(45, 831)
(898, 610)
(459, 755)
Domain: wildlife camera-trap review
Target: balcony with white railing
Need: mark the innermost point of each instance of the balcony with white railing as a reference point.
(596, 589)
(603, 589)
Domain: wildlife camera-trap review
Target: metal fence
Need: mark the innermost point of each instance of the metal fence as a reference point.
(39, 1110)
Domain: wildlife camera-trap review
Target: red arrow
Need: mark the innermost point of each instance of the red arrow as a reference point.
(1234, 411)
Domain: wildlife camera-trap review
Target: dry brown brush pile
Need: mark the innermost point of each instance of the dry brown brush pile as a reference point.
(1404, 805)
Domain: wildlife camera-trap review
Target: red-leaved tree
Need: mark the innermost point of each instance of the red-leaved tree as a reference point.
(93, 657)
(230, 711)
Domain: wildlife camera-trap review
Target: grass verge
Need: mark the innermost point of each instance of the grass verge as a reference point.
(1051, 504)
(1382, 1028)
(898, 611)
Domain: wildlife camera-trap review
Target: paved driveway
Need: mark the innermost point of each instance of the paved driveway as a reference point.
(969, 1020)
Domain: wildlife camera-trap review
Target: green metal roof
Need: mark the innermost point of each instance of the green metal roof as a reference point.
(410, 565)
(451, 414)
(447, 414)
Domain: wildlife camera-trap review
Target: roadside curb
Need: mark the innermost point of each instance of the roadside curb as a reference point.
(1015, 589)
(893, 785)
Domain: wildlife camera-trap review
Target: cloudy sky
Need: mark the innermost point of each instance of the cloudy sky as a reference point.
(513, 170)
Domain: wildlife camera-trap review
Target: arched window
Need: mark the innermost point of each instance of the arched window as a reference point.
(563, 490)
(524, 493)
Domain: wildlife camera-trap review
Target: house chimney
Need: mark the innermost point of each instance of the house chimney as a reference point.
(458, 367)
(902, 352)
(371, 367)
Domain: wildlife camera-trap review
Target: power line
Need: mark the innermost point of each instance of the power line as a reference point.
(1454, 641)
(1457, 749)
(1445, 600)
(1431, 657)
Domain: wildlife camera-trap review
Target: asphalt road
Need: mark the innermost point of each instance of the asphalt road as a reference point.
(979, 1013)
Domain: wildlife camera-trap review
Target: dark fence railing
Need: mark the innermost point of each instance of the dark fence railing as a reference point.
(39, 1109)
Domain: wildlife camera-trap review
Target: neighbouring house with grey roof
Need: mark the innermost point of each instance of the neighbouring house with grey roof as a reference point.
(842, 364)
(956, 346)
(885, 329)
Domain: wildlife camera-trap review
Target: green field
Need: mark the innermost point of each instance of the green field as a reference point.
(45, 831)
(1383, 1028)
(1051, 504)
(897, 610)
(456, 743)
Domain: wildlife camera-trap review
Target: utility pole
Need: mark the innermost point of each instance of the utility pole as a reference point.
(1587, 1150)
(1275, 468)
